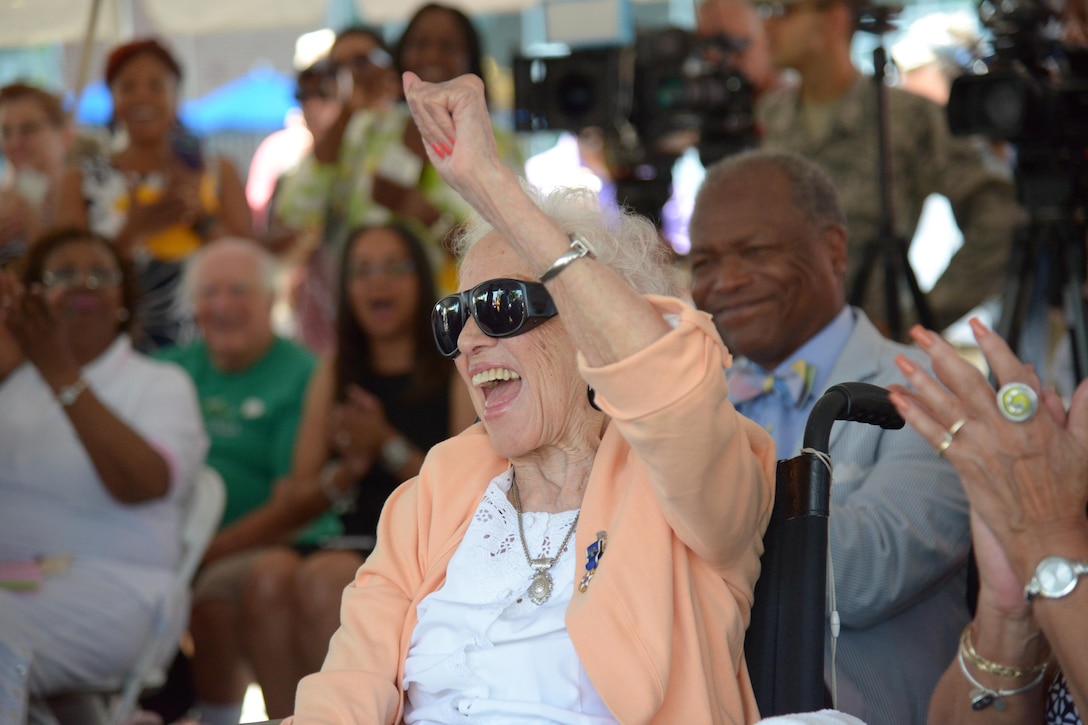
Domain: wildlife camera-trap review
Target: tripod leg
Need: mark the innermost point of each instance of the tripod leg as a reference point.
(891, 298)
(921, 306)
(1075, 304)
(1018, 287)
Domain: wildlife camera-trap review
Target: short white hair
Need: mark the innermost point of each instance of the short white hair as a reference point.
(621, 239)
(266, 265)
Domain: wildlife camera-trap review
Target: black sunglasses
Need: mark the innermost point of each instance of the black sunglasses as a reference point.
(501, 307)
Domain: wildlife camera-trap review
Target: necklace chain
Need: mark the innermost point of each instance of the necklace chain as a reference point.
(541, 565)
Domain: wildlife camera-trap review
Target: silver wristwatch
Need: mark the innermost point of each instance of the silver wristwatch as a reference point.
(68, 395)
(1054, 578)
(396, 452)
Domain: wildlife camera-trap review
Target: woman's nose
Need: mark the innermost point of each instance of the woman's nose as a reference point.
(472, 338)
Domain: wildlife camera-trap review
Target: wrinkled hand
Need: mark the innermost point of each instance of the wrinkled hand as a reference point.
(1025, 481)
(40, 334)
(453, 120)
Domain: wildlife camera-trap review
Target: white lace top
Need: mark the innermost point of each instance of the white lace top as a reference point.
(482, 651)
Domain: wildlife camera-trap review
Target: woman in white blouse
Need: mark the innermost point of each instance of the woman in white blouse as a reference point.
(99, 447)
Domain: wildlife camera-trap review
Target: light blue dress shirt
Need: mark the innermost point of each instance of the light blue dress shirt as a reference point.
(784, 422)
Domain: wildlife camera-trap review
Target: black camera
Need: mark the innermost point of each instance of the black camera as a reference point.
(669, 91)
(1035, 90)
(1033, 94)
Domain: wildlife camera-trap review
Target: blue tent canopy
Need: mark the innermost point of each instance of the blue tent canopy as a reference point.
(95, 105)
(256, 102)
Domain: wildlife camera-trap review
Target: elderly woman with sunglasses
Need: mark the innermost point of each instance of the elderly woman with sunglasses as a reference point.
(1023, 460)
(571, 557)
(98, 449)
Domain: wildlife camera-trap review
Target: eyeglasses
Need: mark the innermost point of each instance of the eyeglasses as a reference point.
(501, 307)
(70, 278)
(310, 94)
(396, 270)
(780, 9)
(362, 61)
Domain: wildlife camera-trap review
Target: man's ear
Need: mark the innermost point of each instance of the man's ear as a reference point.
(834, 236)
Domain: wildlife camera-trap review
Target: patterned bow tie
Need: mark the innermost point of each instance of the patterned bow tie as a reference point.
(793, 385)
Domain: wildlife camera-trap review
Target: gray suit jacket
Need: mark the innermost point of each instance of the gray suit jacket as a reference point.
(899, 539)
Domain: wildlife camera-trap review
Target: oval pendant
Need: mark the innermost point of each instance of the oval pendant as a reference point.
(540, 590)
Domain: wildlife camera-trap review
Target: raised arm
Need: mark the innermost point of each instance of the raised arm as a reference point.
(607, 319)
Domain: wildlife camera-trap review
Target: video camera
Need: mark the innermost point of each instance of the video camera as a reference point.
(1033, 94)
(669, 91)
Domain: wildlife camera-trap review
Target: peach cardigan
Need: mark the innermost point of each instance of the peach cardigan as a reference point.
(682, 485)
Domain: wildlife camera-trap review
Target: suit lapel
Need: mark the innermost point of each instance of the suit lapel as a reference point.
(859, 361)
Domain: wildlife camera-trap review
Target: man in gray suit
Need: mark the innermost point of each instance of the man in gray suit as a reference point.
(768, 260)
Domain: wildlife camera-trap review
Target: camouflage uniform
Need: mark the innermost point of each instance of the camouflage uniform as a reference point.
(926, 159)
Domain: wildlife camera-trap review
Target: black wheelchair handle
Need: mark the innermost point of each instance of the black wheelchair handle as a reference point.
(858, 402)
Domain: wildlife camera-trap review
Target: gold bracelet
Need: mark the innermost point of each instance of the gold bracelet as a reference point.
(992, 668)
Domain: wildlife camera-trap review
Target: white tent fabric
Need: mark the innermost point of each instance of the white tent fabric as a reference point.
(197, 17)
(383, 11)
(34, 22)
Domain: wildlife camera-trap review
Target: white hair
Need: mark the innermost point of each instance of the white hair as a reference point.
(624, 241)
(266, 265)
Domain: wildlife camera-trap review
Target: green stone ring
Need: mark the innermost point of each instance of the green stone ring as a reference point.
(1017, 402)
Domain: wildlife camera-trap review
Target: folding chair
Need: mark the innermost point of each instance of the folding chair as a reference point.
(784, 645)
(111, 702)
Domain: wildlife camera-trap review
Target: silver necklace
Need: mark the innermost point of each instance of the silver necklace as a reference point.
(540, 589)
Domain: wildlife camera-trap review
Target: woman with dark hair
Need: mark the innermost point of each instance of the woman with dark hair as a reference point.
(440, 43)
(356, 77)
(371, 167)
(35, 138)
(157, 198)
(372, 412)
(99, 449)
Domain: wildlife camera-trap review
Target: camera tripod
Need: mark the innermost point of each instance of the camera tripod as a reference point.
(888, 248)
(1047, 262)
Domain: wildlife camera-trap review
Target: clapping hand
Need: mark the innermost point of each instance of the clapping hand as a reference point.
(179, 204)
(357, 428)
(1027, 481)
(37, 329)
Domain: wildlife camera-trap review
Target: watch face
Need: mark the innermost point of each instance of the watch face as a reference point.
(1056, 577)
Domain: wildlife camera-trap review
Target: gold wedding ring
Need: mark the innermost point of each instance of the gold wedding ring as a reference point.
(952, 431)
(944, 444)
(1017, 402)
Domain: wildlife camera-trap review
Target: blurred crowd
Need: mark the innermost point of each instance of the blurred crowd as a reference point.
(143, 339)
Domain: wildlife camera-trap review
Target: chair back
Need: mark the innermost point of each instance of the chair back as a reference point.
(203, 512)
